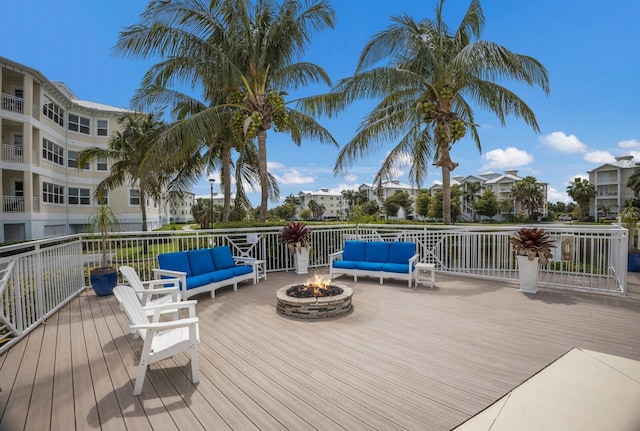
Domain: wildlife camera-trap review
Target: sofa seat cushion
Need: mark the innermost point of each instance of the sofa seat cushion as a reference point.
(222, 257)
(241, 270)
(345, 264)
(399, 268)
(219, 275)
(198, 281)
(354, 250)
(200, 261)
(377, 251)
(401, 252)
(369, 266)
(176, 261)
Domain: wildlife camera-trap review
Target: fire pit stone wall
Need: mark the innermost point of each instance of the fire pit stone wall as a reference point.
(316, 307)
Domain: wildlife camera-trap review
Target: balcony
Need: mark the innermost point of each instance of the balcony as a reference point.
(12, 153)
(12, 103)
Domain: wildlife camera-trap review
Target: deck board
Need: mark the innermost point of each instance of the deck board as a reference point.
(406, 359)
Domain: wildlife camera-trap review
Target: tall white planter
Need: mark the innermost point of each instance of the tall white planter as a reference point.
(301, 260)
(528, 271)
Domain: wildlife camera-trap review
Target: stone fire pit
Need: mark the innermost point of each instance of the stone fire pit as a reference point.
(315, 307)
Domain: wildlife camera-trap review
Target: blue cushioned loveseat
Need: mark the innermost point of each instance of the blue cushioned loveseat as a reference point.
(375, 259)
(204, 270)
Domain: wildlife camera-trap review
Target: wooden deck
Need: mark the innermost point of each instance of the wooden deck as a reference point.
(402, 360)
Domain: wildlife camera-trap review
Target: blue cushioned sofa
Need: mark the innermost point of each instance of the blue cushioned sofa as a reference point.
(375, 259)
(204, 270)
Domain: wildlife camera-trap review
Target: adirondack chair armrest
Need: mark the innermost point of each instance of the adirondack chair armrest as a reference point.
(155, 291)
(162, 283)
(182, 276)
(158, 309)
(161, 326)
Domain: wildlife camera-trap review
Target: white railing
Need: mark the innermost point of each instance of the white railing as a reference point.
(12, 103)
(13, 204)
(39, 277)
(12, 153)
(36, 279)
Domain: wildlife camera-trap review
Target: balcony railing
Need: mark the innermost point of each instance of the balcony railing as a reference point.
(12, 103)
(38, 277)
(13, 204)
(12, 153)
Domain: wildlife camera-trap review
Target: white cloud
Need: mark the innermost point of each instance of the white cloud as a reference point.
(509, 158)
(293, 176)
(351, 178)
(560, 141)
(599, 157)
(636, 155)
(402, 160)
(630, 143)
(274, 165)
(554, 196)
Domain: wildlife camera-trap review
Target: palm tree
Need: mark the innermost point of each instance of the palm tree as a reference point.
(250, 47)
(471, 188)
(529, 193)
(431, 77)
(128, 151)
(634, 182)
(581, 191)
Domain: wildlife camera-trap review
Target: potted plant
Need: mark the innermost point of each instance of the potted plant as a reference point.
(103, 278)
(532, 247)
(630, 216)
(296, 236)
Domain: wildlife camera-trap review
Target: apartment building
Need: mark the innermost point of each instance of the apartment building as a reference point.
(181, 208)
(501, 185)
(610, 181)
(390, 188)
(331, 201)
(44, 125)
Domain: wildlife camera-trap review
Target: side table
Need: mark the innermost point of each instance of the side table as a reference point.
(421, 273)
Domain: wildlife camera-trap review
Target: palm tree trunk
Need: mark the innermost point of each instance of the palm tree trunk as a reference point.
(264, 181)
(143, 209)
(225, 157)
(446, 195)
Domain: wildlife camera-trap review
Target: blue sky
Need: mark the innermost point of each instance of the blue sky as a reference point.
(589, 48)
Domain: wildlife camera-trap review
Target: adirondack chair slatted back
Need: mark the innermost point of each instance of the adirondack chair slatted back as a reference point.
(132, 307)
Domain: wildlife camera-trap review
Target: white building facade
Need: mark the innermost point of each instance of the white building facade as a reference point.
(44, 126)
(610, 181)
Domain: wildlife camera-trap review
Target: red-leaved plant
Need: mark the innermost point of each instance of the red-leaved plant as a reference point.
(295, 235)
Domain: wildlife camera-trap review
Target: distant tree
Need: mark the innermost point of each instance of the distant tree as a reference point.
(306, 214)
(581, 191)
(422, 203)
(370, 208)
(435, 205)
(529, 193)
(285, 211)
(471, 188)
(487, 205)
(292, 199)
(316, 209)
(634, 182)
(398, 200)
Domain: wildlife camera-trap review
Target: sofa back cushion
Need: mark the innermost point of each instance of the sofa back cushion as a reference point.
(401, 252)
(354, 250)
(176, 261)
(200, 261)
(377, 251)
(222, 257)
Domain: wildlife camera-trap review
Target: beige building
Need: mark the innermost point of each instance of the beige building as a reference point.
(610, 181)
(390, 188)
(501, 185)
(44, 125)
(331, 201)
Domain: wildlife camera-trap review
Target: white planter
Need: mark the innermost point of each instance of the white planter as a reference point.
(301, 260)
(528, 271)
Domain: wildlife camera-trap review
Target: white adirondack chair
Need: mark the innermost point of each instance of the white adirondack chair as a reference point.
(152, 292)
(161, 339)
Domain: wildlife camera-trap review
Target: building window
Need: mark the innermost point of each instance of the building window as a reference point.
(78, 196)
(102, 127)
(53, 111)
(79, 124)
(52, 193)
(102, 164)
(134, 197)
(72, 160)
(52, 152)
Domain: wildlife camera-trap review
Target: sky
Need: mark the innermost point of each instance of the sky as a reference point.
(589, 48)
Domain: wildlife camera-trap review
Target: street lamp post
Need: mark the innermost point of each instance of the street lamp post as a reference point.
(211, 181)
